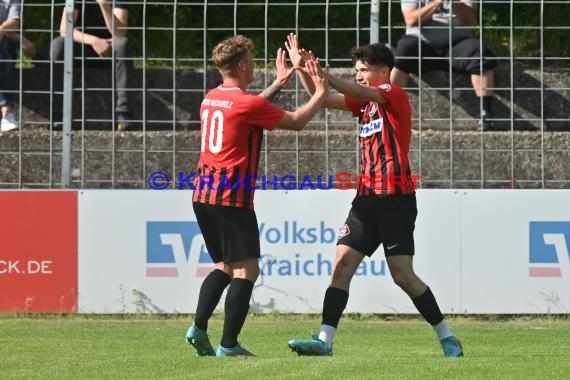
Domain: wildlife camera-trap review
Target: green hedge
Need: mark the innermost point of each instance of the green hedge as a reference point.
(192, 45)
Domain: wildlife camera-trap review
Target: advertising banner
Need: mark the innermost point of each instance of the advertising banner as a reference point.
(142, 251)
(38, 251)
(515, 251)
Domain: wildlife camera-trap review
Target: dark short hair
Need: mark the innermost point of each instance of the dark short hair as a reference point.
(377, 54)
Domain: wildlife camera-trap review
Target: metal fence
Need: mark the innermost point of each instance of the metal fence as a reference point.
(449, 150)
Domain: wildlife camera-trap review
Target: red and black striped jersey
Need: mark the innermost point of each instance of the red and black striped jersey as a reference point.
(232, 122)
(385, 132)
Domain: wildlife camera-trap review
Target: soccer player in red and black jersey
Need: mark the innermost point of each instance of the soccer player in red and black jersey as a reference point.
(233, 122)
(384, 209)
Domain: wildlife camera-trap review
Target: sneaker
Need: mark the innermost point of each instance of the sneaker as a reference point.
(57, 121)
(487, 124)
(237, 350)
(124, 121)
(314, 347)
(199, 339)
(451, 347)
(9, 123)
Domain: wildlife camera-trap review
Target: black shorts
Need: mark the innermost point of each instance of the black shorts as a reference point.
(466, 55)
(388, 220)
(230, 233)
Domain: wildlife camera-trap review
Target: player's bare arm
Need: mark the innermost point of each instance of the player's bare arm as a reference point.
(298, 119)
(355, 90)
(283, 74)
(298, 58)
(412, 16)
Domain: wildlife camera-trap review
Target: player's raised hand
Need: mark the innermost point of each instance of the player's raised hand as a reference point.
(318, 75)
(293, 48)
(283, 71)
(306, 56)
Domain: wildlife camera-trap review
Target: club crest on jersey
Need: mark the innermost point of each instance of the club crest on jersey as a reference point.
(343, 231)
(370, 128)
(386, 87)
(373, 109)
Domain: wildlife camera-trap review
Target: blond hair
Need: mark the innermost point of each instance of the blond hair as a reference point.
(227, 54)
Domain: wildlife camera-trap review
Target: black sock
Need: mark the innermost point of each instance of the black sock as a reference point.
(210, 294)
(428, 308)
(236, 308)
(333, 306)
(487, 105)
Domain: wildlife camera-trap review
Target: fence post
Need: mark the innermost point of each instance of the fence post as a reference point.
(374, 21)
(67, 96)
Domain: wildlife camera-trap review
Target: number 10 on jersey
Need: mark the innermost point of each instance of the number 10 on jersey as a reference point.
(215, 124)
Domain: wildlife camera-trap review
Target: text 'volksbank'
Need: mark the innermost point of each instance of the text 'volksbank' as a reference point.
(293, 232)
(306, 264)
(289, 248)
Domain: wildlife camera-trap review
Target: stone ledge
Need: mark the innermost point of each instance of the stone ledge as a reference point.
(124, 160)
(165, 109)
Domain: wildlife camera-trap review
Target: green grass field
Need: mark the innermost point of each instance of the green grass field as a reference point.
(80, 347)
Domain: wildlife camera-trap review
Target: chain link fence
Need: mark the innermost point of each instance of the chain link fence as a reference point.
(170, 45)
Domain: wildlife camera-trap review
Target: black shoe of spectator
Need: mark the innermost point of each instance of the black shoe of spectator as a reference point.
(57, 121)
(487, 125)
(125, 121)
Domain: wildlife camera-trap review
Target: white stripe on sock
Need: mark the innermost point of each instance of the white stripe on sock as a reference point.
(442, 330)
(327, 334)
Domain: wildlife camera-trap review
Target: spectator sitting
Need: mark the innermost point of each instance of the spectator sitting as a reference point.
(100, 32)
(429, 24)
(9, 23)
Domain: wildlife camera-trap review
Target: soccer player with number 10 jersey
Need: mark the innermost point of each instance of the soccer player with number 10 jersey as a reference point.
(233, 122)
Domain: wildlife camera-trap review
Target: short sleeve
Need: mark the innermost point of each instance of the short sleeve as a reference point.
(395, 96)
(14, 11)
(354, 105)
(262, 113)
(409, 4)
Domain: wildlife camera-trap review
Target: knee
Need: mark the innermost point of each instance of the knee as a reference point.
(253, 273)
(224, 268)
(408, 46)
(342, 267)
(57, 46)
(342, 273)
(401, 278)
(122, 47)
(247, 270)
(406, 54)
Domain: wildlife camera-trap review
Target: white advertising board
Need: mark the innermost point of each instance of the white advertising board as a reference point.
(480, 251)
(515, 251)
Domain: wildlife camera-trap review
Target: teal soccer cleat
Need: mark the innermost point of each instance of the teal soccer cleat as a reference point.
(314, 347)
(451, 347)
(237, 350)
(199, 339)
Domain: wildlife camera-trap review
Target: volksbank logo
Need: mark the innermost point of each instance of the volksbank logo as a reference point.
(173, 248)
(548, 249)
